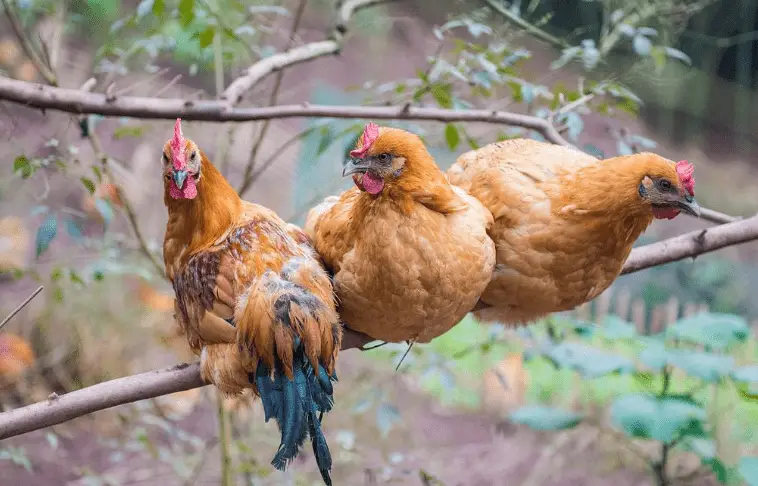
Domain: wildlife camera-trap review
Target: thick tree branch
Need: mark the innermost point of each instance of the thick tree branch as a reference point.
(60, 409)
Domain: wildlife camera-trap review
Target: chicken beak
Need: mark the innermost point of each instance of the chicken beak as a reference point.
(689, 205)
(355, 166)
(179, 177)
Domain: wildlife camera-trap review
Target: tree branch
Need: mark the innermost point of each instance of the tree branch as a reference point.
(75, 101)
(255, 73)
(182, 377)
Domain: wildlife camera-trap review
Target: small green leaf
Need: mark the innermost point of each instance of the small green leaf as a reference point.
(24, 166)
(56, 274)
(75, 278)
(452, 137)
(748, 469)
(159, 6)
(105, 209)
(186, 12)
(46, 233)
(52, 439)
(713, 330)
(206, 37)
(614, 327)
(662, 419)
(442, 95)
(73, 229)
(545, 418)
(88, 184)
(98, 173)
(706, 366)
(124, 131)
(58, 294)
(386, 417)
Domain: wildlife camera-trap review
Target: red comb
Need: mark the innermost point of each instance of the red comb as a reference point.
(684, 170)
(177, 146)
(370, 134)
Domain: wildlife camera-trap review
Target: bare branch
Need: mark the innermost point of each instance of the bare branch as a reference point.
(692, 244)
(185, 376)
(297, 55)
(20, 306)
(76, 101)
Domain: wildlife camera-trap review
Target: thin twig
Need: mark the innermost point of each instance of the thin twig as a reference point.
(27, 45)
(247, 177)
(261, 69)
(20, 306)
(223, 441)
(525, 25)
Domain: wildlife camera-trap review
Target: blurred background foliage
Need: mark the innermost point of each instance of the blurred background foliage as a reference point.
(79, 216)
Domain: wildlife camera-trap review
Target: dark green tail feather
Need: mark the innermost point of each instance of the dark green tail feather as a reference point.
(295, 405)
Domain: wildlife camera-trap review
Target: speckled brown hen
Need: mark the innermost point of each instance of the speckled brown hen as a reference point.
(252, 298)
(565, 222)
(409, 253)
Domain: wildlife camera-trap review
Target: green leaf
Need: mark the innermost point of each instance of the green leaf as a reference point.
(159, 6)
(655, 356)
(545, 418)
(75, 278)
(56, 274)
(46, 233)
(706, 366)
(588, 361)
(206, 37)
(88, 184)
(659, 58)
(105, 209)
(128, 131)
(748, 469)
(186, 12)
(663, 419)
(614, 327)
(442, 95)
(23, 165)
(452, 137)
(717, 331)
(52, 439)
(73, 229)
(386, 417)
(98, 173)
(746, 378)
(746, 374)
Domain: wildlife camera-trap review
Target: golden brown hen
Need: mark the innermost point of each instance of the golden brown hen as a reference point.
(252, 298)
(409, 252)
(565, 222)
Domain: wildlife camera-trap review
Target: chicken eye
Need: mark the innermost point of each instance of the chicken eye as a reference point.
(384, 157)
(193, 155)
(164, 158)
(664, 184)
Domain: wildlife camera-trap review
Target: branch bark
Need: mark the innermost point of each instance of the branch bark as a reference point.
(181, 377)
(75, 101)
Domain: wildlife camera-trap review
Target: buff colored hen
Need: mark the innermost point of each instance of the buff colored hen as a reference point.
(564, 221)
(409, 253)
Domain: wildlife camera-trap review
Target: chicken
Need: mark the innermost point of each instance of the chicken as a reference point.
(16, 356)
(409, 253)
(252, 298)
(564, 222)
